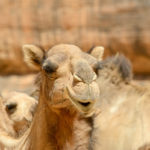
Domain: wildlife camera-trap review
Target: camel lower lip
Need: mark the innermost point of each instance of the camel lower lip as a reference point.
(84, 105)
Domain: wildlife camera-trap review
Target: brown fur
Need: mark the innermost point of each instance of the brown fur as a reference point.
(145, 147)
(58, 123)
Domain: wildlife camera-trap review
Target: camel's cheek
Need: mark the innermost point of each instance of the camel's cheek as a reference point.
(58, 94)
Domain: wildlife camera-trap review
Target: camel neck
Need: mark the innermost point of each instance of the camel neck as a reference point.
(57, 128)
(52, 130)
(61, 130)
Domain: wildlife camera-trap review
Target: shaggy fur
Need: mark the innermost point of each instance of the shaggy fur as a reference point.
(120, 63)
(122, 121)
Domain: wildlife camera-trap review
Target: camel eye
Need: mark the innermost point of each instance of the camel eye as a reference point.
(50, 67)
(11, 108)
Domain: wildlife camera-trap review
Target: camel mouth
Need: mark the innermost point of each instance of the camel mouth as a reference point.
(82, 104)
(85, 104)
(84, 107)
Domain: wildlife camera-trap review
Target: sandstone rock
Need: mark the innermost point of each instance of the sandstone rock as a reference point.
(121, 25)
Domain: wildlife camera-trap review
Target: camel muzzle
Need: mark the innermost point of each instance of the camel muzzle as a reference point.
(84, 102)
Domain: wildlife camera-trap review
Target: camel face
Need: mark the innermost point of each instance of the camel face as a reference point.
(83, 91)
(19, 106)
(67, 74)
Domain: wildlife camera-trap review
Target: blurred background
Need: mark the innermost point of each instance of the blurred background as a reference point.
(118, 25)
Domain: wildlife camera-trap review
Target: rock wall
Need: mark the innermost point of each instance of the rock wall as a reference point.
(119, 25)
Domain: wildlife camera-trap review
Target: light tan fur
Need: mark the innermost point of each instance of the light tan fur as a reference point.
(123, 121)
(15, 124)
(6, 125)
(36, 54)
(98, 52)
(22, 114)
(121, 114)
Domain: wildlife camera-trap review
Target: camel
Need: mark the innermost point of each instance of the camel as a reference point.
(58, 124)
(121, 119)
(16, 113)
(20, 108)
(6, 125)
(118, 106)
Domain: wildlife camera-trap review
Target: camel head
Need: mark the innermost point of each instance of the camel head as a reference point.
(116, 69)
(67, 75)
(20, 108)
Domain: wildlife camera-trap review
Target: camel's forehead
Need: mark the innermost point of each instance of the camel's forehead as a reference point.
(67, 49)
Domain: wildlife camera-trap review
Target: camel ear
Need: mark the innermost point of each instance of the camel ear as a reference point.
(33, 55)
(98, 52)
